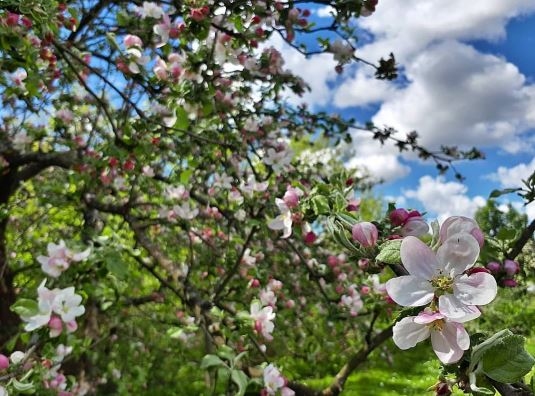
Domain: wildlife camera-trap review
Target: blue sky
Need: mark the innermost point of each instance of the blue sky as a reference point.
(468, 79)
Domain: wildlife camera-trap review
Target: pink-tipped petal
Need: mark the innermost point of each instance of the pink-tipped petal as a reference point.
(479, 288)
(418, 258)
(410, 291)
(445, 344)
(453, 309)
(407, 334)
(458, 253)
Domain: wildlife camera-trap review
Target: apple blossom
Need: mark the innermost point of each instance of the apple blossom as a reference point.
(365, 233)
(18, 76)
(67, 304)
(282, 221)
(448, 338)
(458, 224)
(63, 302)
(185, 211)
(150, 10)
(274, 381)
(59, 258)
(442, 276)
(263, 317)
(342, 50)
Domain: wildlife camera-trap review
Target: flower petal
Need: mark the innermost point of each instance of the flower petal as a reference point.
(407, 334)
(458, 253)
(455, 310)
(477, 289)
(446, 342)
(418, 258)
(410, 291)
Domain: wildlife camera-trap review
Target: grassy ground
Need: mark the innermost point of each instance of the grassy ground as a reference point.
(410, 372)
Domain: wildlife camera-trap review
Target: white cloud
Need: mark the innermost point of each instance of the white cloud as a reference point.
(408, 27)
(325, 12)
(362, 89)
(380, 166)
(445, 199)
(458, 96)
(317, 71)
(512, 177)
(530, 211)
(382, 163)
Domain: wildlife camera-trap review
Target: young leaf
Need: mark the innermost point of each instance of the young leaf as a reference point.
(240, 379)
(389, 252)
(211, 361)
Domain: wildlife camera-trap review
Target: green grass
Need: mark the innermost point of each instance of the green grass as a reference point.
(409, 372)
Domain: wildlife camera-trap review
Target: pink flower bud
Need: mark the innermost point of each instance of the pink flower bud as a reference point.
(493, 267)
(364, 290)
(365, 233)
(55, 325)
(332, 261)
(364, 263)
(291, 198)
(509, 283)
(310, 238)
(290, 304)
(4, 362)
(353, 205)
(72, 326)
(131, 40)
(398, 217)
(475, 270)
(443, 389)
(254, 283)
(511, 267)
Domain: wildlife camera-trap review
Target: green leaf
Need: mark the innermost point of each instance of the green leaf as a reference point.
(226, 353)
(240, 379)
(25, 307)
(182, 120)
(506, 360)
(211, 361)
(498, 193)
(23, 387)
(320, 205)
(115, 264)
(390, 252)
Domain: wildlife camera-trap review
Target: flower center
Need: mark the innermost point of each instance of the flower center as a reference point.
(442, 284)
(437, 325)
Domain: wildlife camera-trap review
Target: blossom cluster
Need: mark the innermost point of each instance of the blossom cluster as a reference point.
(446, 284)
(274, 382)
(60, 258)
(55, 308)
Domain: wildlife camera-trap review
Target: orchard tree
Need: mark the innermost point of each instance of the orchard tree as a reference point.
(170, 223)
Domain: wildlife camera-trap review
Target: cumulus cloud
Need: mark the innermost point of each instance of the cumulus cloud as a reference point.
(379, 162)
(325, 12)
(444, 199)
(458, 96)
(317, 71)
(513, 176)
(408, 27)
(362, 89)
